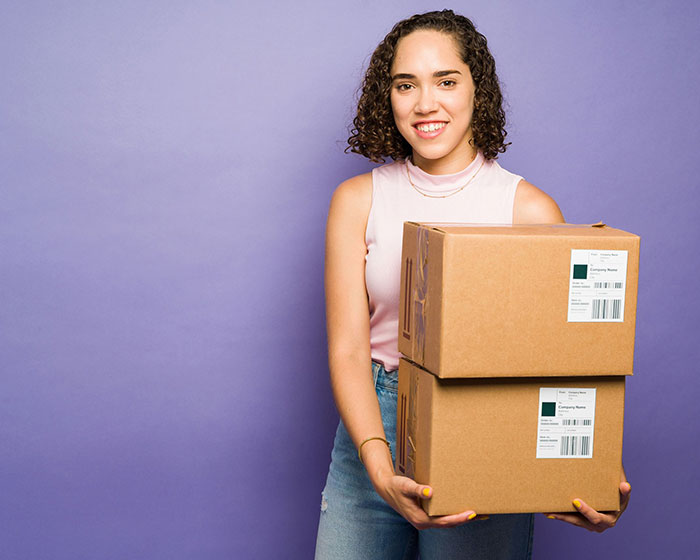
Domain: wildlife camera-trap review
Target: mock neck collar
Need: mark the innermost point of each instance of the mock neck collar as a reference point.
(443, 185)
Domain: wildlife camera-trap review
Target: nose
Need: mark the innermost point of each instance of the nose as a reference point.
(427, 101)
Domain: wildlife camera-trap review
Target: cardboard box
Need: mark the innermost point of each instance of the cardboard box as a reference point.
(476, 441)
(527, 300)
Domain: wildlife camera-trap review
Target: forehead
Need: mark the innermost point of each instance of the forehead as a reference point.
(426, 49)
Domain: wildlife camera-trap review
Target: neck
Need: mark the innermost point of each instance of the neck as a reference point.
(453, 162)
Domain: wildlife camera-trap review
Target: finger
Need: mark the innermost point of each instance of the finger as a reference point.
(587, 511)
(412, 489)
(453, 520)
(625, 490)
(600, 521)
(573, 518)
(418, 518)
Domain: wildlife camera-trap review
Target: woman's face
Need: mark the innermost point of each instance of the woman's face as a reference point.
(432, 98)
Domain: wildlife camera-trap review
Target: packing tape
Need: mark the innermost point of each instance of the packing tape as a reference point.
(419, 297)
(412, 425)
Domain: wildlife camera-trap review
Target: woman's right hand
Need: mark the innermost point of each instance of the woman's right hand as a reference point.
(404, 495)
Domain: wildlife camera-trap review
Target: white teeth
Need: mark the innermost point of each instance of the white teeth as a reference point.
(430, 127)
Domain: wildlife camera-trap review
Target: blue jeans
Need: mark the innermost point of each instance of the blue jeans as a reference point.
(356, 523)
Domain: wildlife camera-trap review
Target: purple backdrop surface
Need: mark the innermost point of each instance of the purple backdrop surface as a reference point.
(165, 171)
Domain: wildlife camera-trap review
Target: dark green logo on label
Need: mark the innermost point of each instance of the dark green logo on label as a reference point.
(549, 409)
(580, 271)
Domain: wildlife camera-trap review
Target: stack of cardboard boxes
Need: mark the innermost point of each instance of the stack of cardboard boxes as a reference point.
(516, 341)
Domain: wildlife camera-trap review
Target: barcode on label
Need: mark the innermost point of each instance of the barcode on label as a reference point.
(616, 285)
(574, 445)
(606, 308)
(576, 422)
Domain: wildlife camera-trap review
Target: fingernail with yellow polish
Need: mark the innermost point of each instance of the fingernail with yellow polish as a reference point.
(426, 492)
(471, 516)
(551, 517)
(577, 504)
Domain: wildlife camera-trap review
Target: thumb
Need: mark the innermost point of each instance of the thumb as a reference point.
(409, 487)
(424, 492)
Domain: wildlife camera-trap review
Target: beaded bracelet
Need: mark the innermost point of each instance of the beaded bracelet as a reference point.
(359, 449)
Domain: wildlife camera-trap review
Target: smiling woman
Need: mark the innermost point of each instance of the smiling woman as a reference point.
(433, 108)
(431, 102)
(375, 134)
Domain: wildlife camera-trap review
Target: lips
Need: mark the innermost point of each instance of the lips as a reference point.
(429, 129)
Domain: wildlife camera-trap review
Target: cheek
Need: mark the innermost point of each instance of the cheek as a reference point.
(466, 108)
(393, 112)
(398, 109)
(470, 105)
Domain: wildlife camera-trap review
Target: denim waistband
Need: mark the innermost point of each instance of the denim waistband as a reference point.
(388, 380)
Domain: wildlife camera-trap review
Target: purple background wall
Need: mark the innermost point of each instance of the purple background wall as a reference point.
(165, 171)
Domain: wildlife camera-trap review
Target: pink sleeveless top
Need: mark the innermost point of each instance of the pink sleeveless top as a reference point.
(487, 198)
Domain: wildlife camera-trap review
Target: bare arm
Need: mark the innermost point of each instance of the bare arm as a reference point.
(347, 319)
(533, 206)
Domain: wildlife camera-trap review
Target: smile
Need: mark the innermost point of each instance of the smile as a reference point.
(429, 130)
(430, 127)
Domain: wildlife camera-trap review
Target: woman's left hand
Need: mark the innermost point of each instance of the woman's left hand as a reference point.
(593, 520)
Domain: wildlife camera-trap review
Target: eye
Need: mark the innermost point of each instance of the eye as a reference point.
(403, 87)
(448, 83)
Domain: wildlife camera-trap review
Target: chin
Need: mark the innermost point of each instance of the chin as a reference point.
(432, 154)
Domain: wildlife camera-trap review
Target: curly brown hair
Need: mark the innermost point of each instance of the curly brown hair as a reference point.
(374, 133)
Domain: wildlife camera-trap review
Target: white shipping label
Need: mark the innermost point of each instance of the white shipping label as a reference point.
(597, 284)
(566, 423)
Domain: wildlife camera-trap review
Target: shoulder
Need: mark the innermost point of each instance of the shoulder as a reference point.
(534, 206)
(354, 193)
(351, 201)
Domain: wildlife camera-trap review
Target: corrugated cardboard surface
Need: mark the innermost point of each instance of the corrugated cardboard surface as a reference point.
(474, 441)
(492, 301)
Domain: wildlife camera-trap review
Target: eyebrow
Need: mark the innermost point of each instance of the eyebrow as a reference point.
(438, 74)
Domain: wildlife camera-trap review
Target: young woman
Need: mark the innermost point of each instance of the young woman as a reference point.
(430, 101)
